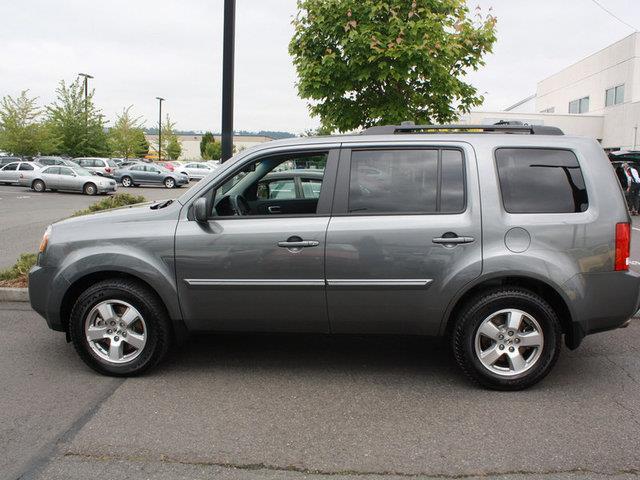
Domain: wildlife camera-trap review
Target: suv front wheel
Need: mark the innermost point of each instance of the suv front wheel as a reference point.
(119, 327)
(507, 339)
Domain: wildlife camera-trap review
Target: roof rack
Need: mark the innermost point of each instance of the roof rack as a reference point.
(500, 128)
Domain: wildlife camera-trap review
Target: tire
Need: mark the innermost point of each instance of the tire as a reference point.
(38, 186)
(90, 189)
(169, 182)
(482, 323)
(126, 181)
(152, 324)
(7, 183)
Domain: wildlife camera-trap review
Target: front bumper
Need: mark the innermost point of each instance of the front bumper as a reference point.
(108, 189)
(46, 291)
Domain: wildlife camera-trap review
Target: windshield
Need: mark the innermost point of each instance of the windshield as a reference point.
(112, 163)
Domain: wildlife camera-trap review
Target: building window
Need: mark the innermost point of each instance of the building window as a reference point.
(580, 105)
(614, 96)
(548, 110)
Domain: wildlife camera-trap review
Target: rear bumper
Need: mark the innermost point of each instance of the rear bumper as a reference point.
(46, 291)
(601, 301)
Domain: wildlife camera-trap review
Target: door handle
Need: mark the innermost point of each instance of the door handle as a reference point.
(453, 240)
(274, 209)
(299, 244)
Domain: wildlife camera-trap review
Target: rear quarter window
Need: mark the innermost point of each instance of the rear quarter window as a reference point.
(540, 180)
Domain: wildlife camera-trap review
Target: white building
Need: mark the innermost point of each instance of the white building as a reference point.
(598, 96)
(191, 144)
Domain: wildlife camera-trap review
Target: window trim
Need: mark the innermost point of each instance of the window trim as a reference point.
(614, 88)
(518, 147)
(579, 100)
(341, 197)
(325, 201)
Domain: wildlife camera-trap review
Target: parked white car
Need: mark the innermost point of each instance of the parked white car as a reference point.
(104, 167)
(69, 179)
(10, 173)
(195, 170)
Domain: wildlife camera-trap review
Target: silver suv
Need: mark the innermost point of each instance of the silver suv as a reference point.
(503, 239)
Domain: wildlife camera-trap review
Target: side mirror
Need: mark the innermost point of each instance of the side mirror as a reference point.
(200, 210)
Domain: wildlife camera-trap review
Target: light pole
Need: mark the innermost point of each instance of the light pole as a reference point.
(86, 103)
(228, 52)
(86, 93)
(160, 100)
(635, 136)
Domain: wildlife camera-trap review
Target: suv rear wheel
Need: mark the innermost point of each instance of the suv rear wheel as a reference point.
(119, 328)
(507, 339)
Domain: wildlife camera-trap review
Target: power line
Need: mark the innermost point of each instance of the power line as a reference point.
(614, 15)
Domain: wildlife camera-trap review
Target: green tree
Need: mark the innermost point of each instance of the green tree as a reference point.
(212, 151)
(78, 125)
(124, 136)
(207, 138)
(171, 145)
(370, 62)
(142, 145)
(23, 131)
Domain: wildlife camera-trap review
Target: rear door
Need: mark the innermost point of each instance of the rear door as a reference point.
(405, 236)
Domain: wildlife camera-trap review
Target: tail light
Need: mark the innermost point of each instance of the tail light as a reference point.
(107, 169)
(623, 245)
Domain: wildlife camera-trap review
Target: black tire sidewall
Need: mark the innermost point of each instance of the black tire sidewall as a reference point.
(39, 182)
(464, 338)
(149, 311)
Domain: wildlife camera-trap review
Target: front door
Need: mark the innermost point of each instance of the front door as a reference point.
(250, 270)
(405, 237)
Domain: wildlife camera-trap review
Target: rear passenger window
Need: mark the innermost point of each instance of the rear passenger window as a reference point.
(406, 181)
(537, 180)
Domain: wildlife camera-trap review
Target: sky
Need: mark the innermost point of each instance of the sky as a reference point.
(140, 49)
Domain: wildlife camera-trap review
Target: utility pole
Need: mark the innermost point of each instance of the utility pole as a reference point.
(160, 100)
(86, 103)
(635, 136)
(228, 53)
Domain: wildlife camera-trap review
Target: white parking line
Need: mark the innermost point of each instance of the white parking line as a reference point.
(635, 228)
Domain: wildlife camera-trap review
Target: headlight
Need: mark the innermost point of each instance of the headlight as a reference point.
(45, 240)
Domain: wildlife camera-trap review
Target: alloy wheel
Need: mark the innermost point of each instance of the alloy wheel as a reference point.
(509, 342)
(115, 331)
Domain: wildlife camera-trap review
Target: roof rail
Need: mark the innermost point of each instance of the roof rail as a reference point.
(504, 128)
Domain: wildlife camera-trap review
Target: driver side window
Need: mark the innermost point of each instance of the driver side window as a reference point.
(271, 186)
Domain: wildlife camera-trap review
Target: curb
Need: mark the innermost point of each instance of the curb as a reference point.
(14, 295)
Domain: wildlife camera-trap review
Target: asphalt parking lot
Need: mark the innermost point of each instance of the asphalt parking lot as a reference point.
(293, 407)
(24, 214)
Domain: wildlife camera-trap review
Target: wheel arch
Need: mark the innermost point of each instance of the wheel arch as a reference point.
(551, 293)
(81, 283)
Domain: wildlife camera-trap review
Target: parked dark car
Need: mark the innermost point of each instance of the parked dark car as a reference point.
(8, 160)
(148, 174)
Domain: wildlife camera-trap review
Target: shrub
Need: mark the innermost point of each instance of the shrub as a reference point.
(16, 276)
(114, 201)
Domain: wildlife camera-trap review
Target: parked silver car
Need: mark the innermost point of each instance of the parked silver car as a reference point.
(102, 166)
(10, 173)
(70, 179)
(195, 170)
(506, 240)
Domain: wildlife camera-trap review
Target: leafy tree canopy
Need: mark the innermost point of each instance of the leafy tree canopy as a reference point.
(206, 139)
(371, 62)
(77, 123)
(171, 145)
(125, 136)
(23, 130)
